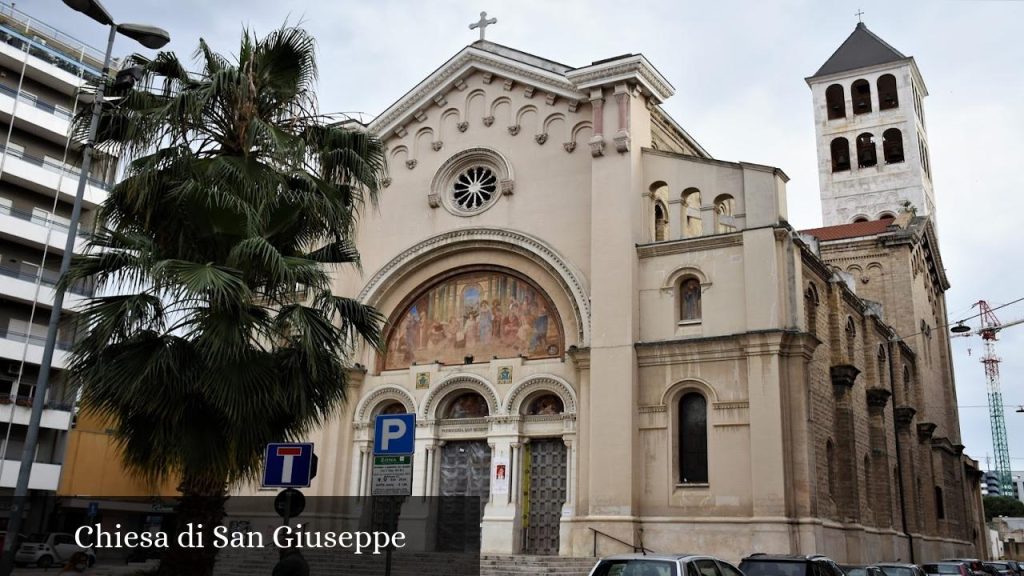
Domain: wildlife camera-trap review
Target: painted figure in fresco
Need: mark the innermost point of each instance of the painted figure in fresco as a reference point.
(486, 319)
(485, 314)
(691, 299)
(547, 405)
(470, 405)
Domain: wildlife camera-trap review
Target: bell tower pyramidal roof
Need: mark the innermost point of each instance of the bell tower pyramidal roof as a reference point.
(862, 48)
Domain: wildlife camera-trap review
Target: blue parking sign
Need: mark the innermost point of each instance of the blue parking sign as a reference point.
(288, 465)
(394, 434)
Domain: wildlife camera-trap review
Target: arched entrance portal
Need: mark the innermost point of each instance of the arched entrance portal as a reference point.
(464, 470)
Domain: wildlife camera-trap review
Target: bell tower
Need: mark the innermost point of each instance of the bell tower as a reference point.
(869, 122)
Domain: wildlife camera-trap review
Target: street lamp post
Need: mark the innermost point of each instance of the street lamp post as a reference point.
(150, 37)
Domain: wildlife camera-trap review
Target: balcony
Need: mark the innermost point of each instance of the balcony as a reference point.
(20, 284)
(35, 116)
(37, 229)
(17, 409)
(45, 175)
(16, 345)
(56, 55)
(42, 477)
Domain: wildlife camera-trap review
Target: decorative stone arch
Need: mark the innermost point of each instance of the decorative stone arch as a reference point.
(437, 247)
(676, 391)
(672, 280)
(381, 395)
(461, 382)
(541, 382)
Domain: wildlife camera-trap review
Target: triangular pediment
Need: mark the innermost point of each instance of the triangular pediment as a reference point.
(496, 64)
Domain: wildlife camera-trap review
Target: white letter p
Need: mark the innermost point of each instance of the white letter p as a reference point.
(391, 430)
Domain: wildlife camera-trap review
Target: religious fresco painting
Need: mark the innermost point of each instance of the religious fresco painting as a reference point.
(483, 314)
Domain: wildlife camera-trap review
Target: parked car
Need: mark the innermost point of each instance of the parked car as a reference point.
(44, 550)
(977, 567)
(1003, 568)
(663, 565)
(862, 570)
(761, 564)
(897, 569)
(947, 569)
(1016, 566)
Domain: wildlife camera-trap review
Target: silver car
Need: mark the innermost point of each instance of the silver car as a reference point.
(663, 565)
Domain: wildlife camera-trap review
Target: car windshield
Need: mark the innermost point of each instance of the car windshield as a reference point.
(635, 567)
(998, 565)
(773, 568)
(902, 571)
(36, 538)
(941, 568)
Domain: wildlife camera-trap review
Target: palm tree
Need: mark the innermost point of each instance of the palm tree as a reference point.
(222, 333)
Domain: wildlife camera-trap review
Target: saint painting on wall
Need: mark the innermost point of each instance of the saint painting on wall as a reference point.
(483, 314)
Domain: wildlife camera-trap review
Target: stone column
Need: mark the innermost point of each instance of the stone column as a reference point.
(880, 493)
(905, 443)
(847, 492)
(925, 472)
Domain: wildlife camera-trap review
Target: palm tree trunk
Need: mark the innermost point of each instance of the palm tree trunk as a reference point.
(201, 505)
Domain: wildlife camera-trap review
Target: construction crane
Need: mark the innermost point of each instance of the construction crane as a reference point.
(989, 332)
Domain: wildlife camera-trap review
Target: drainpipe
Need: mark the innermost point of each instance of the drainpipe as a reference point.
(899, 459)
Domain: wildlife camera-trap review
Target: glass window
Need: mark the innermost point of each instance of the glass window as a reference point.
(728, 569)
(707, 567)
(635, 567)
(693, 439)
(689, 300)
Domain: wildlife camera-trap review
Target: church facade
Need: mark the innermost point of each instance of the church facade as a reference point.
(617, 340)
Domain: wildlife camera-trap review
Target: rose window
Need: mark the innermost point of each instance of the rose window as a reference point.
(474, 188)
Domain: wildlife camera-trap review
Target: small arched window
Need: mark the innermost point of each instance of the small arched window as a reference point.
(840, 154)
(892, 145)
(866, 153)
(940, 504)
(811, 308)
(851, 339)
(887, 96)
(860, 91)
(691, 213)
(689, 300)
(882, 367)
(835, 102)
(725, 209)
(860, 219)
(867, 477)
(660, 222)
(830, 457)
(693, 439)
(886, 216)
(907, 383)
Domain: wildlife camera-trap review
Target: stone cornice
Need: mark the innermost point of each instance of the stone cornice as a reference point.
(634, 68)
(468, 59)
(655, 249)
(925, 430)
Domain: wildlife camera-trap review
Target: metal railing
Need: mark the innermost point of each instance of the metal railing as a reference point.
(25, 400)
(55, 166)
(48, 221)
(636, 548)
(47, 278)
(62, 343)
(35, 102)
(48, 43)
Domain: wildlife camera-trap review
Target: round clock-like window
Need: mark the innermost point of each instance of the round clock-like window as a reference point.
(474, 189)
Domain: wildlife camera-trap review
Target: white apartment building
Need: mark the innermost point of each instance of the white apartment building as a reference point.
(41, 70)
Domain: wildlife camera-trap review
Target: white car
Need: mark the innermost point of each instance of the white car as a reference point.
(44, 550)
(663, 565)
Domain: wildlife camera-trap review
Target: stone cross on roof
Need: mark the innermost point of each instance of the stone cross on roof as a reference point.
(483, 23)
(859, 14)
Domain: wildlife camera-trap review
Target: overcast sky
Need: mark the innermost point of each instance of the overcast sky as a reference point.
(738, 69)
